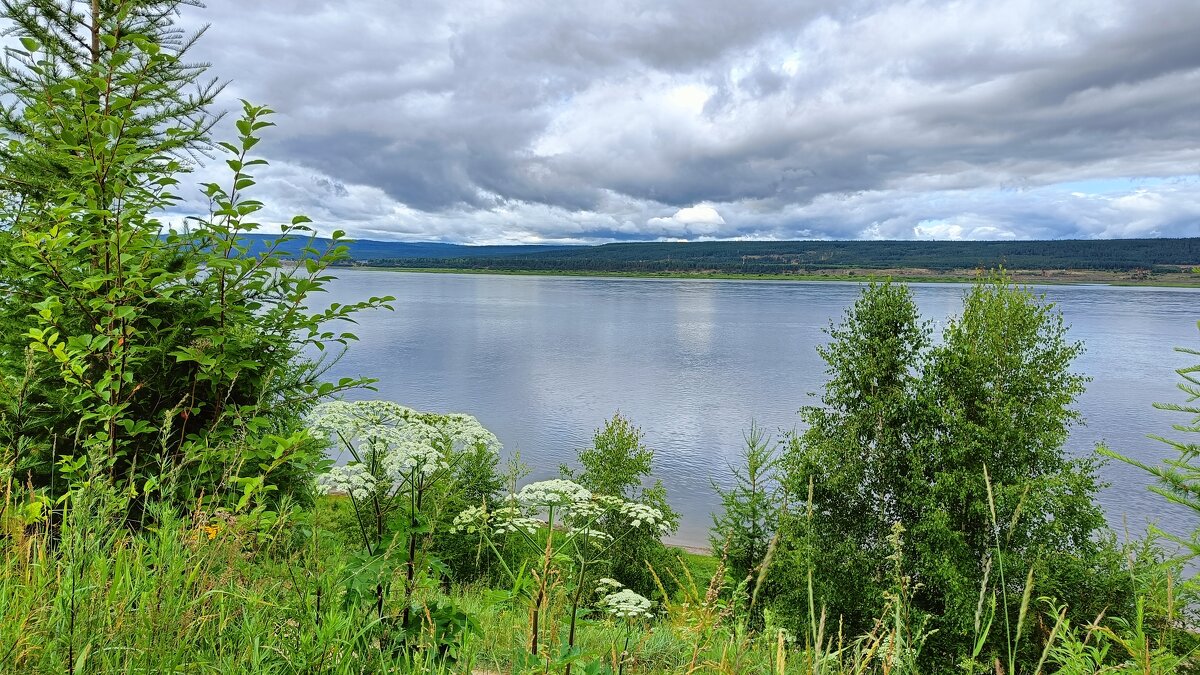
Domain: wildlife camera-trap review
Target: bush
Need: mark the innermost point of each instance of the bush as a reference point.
(909, 432)
(137, 352)
(618, 463)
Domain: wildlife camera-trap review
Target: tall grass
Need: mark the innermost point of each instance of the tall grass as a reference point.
(221, 593)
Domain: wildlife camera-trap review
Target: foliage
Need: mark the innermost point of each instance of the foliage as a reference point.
(168, 98)
(1179, 477)
(750, 508)
(149, 353)
(566, 558)
(801, 257)
(400, 458)
(166, 373)
(619, 463)
(906, 434)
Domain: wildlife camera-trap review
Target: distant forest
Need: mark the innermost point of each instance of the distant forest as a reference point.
(798, 257)
(782, 257)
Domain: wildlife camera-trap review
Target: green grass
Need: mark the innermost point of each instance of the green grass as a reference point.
(217, 593)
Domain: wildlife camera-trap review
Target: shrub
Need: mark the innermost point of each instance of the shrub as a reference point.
(619, 463)
(906, 434)
(146, 350)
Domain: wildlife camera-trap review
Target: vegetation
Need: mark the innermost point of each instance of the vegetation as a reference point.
(745, 528)
(918, 434)
(1136, 257)
(166, 504)
(1128, 260)
(619, 463)
(130, 353)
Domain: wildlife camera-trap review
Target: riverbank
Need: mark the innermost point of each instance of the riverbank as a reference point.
(911, 275)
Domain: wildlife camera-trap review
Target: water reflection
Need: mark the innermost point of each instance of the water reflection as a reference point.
(543, 361)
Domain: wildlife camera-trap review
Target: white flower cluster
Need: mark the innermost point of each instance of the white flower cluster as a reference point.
(470, 520)
(400, 442)
(511, 518)
(594, 535)
(352, 479)
(464, 431)
(637, 514)
(579, 508)
(622, 602)
(641, 514)
(556, 492)
(502, 521)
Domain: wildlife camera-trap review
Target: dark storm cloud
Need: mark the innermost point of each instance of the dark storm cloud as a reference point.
(553, 121)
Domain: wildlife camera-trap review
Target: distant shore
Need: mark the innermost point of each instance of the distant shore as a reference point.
(1032, 277)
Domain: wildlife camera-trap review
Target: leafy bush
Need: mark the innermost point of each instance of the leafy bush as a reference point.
(619, 463)
(143, 349)
(907, 434)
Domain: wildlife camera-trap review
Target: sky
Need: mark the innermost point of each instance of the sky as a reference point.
(549, 121)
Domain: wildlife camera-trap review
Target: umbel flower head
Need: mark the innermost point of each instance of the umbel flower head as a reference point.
(577, 507)
(622, 602)
(555, 492)
(393, 444)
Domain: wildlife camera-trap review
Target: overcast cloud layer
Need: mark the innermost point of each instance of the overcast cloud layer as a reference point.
(510, 121)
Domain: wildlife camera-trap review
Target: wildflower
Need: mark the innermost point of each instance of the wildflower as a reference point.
(502, 521)
(399, 443)
(597, 536)
(607, 585)
(352, 479)
(470, 520)
(626, 604)
(556, 492)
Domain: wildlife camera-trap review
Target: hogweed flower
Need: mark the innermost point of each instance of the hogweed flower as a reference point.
(393, 444)
(352, 479)
(579, 508)
(627, 604)
(606, 585)
(555, 492)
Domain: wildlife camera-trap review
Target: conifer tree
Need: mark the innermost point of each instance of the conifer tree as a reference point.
(145, 349)
(750, 508)
(170, 99)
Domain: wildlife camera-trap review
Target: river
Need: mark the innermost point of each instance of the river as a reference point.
(543, 361)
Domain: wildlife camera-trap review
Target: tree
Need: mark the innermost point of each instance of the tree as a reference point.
(149, 351)
(618, 464)
(906, 435)
(82, 64)
(1000, 394)
(848, 471)
(74, 40)
(750, 509)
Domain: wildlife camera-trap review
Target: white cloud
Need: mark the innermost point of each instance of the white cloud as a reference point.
(700, 221)
(488, 121)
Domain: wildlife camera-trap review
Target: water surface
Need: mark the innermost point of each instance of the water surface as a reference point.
(544, 361)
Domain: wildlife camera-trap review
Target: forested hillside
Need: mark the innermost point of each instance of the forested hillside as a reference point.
(793, 257)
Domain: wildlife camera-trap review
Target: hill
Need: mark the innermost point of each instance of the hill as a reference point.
(779, 257)
(801, 257)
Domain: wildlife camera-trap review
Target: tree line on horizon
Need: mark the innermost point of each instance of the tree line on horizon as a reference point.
(800, 257)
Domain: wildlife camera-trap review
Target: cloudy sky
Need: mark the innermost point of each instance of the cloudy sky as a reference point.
(505, 121)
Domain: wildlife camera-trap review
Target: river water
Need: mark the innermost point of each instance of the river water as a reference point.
(543, 361)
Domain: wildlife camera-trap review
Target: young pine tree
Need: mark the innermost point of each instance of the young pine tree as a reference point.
(750, 508)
